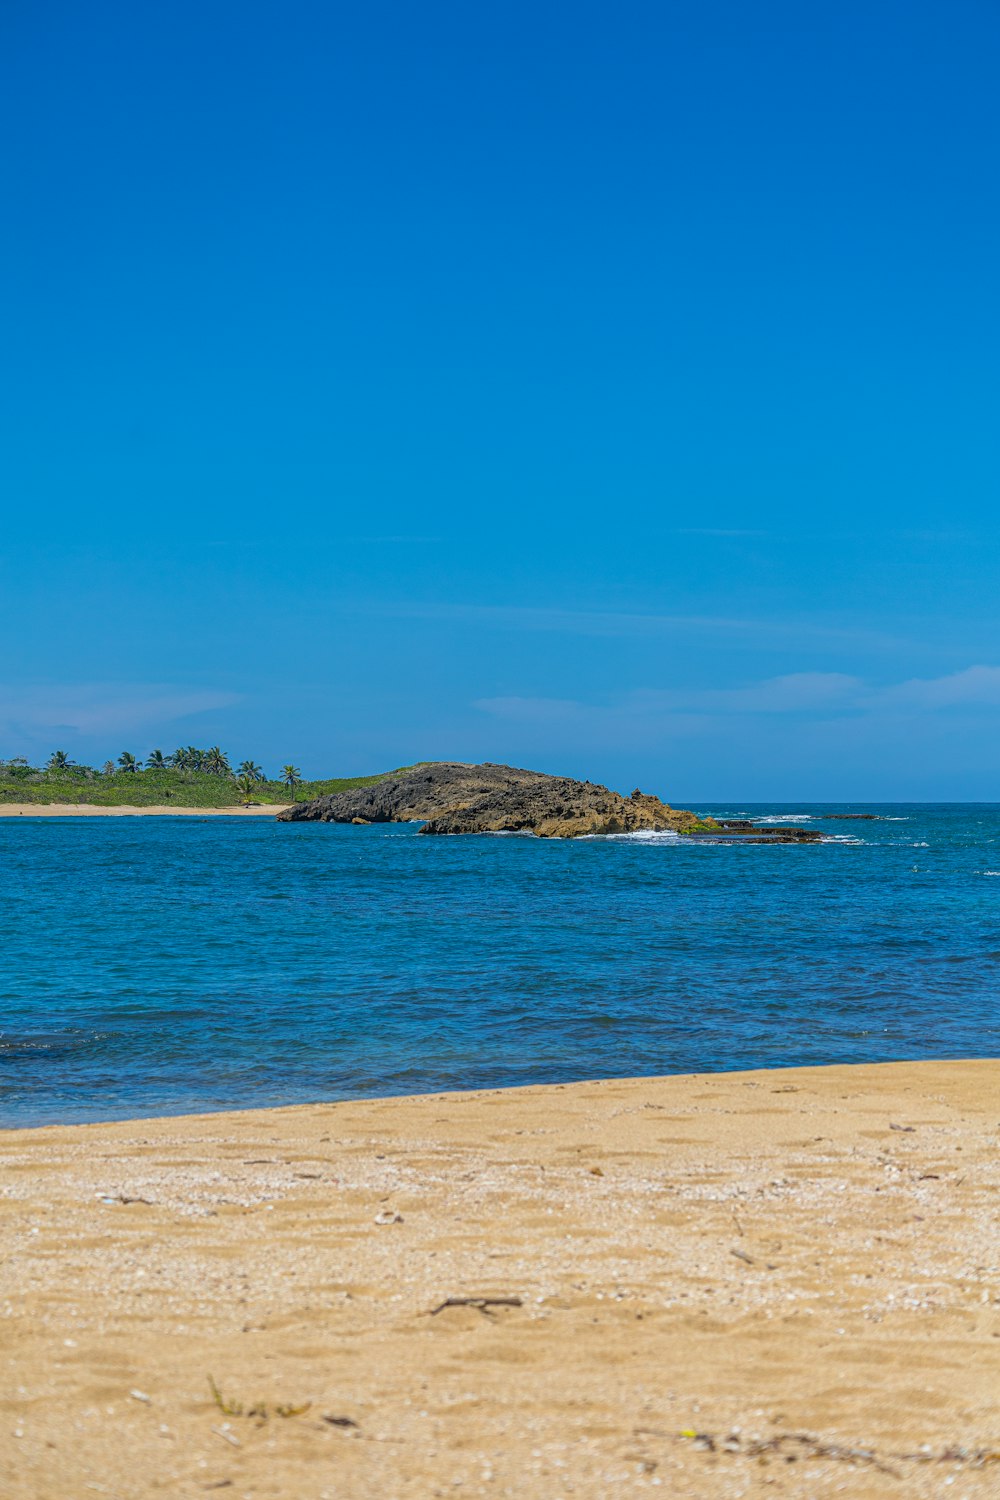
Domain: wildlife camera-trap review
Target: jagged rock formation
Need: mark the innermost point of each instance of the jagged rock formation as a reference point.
(449, 797)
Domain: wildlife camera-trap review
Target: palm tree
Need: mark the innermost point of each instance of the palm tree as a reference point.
(251, 769)
(108, 768)
(217, 761)
(156, 761)
(291, 776)
(195, 758)
(59, 761)
(246, 786)
(128, 762)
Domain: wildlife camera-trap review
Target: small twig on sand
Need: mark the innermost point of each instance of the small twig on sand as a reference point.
(482, 1304)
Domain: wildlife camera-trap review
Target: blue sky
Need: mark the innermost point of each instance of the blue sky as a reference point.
(608, 389)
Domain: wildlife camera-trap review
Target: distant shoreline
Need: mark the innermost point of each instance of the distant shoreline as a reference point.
(122, 810)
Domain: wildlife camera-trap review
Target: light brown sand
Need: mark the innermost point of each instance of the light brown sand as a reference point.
(763, 1254)
(88, 810)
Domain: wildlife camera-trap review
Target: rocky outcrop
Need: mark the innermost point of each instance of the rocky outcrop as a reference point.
(743, 831)
(556, 807)
(450, 797)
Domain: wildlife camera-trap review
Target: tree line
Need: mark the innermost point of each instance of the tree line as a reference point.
(211, 762)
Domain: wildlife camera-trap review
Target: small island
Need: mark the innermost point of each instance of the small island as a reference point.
(452, 797)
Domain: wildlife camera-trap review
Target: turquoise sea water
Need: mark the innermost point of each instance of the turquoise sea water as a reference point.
(160, 965)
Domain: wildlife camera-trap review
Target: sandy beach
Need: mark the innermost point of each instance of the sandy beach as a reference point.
(89, 810)
(762, 1283)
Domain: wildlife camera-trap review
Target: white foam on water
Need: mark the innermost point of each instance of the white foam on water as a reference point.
(642, 836)
(787, 818)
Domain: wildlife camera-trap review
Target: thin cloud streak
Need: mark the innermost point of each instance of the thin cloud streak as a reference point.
(803, 693)
(976, 685)
(27, 711)
(613, 623)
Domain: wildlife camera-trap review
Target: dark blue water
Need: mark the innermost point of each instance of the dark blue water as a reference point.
(161, 965)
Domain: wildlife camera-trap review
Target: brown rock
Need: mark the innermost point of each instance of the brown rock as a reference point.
(450, 797)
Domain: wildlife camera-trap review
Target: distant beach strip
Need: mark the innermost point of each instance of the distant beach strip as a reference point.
(170, 810)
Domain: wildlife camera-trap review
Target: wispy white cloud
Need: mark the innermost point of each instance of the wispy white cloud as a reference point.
(975, 685)
(614, 623)
(634, 718)
(796, 692)
(809, 694)
(96, 709)
(535, 710)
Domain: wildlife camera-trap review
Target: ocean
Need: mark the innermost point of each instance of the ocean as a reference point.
(157, 966)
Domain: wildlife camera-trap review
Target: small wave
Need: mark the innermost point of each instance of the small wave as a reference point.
(986, 872)
(51, 1046)
(786, 818)
(641, 836)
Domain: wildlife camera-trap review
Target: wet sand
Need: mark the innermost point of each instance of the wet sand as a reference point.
(781, 1283)
(89, 810)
